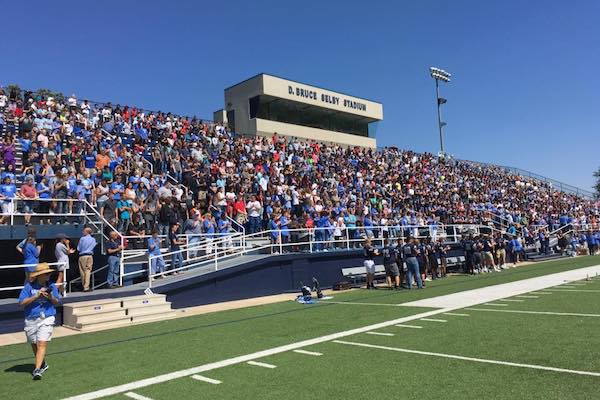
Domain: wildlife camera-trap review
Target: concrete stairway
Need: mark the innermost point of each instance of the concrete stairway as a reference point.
(108, 313)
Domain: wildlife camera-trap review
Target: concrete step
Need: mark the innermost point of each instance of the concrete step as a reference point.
(144, 301)
(149, 310)
(97, 318)
(154, 317)
(111, 304)
(122, 311)
(92, 306)
(116, 322)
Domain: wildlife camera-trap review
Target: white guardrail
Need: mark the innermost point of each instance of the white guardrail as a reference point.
(24, 267)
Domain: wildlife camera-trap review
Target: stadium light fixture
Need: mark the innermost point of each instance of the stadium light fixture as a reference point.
(440, 75)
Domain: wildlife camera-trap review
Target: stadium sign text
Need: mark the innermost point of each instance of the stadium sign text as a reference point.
(326, 98)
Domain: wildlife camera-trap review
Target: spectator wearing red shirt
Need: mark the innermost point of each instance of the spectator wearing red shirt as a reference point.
(239, 211)
(28, 194)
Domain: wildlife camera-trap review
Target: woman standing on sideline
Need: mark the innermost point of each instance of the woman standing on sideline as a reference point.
(39, 298)
(62, 250)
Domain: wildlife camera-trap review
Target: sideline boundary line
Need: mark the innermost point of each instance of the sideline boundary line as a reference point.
(463, 358)
(558, 290)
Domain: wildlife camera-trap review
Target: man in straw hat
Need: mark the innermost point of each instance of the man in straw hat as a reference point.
(39, 298)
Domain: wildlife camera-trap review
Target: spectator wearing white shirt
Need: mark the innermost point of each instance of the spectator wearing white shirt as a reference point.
(254, 208)
(72, 102)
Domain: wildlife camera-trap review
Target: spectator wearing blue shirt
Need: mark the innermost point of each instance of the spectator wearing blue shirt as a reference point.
(90, 161)
(224, 227)
(273, 226)
(368, 224)
(157, 262)
(592, 243)
(208, 228)
(117, 187)
(284, 226)
(9, 172)
(322, 231)
(39, 297)
(350, 221)
(31, 254)
(8, 191)
(44, 194)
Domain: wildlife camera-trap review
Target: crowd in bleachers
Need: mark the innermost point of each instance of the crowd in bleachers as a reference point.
(148, 170)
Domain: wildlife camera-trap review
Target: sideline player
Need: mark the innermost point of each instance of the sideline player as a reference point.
(39, 297)
(390, 255)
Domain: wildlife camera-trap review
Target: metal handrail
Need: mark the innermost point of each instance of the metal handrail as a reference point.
(21, 266)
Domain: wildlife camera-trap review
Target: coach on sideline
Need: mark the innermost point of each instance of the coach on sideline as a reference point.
(39, 296)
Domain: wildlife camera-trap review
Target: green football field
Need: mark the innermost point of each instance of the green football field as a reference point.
(538, 345)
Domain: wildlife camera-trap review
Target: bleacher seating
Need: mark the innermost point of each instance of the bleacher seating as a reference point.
(171, 167)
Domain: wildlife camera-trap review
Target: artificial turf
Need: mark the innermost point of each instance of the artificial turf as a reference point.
(84, 363)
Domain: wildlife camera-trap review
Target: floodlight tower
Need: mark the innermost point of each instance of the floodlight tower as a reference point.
(444, 76)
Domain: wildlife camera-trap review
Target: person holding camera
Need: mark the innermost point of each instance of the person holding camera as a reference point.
(62, 251)
(39, 297)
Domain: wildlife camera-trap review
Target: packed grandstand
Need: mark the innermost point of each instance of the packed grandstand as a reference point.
(147, 170)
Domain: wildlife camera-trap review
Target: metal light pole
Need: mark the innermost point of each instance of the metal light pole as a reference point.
(440, 75)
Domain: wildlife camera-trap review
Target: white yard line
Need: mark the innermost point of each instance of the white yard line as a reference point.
(557, 290)
(308, 353)
(542, 292)
(463, 358)
(527, 297)
(409, 326)
(433, 320)
(496, 304)
(380, 333)
(205, 379)
(534, 312)
(457, 314)
(260, 364)
(514, 300)
(136, 396)
(446, 303)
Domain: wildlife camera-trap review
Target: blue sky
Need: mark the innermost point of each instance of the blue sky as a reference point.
(524, 90)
